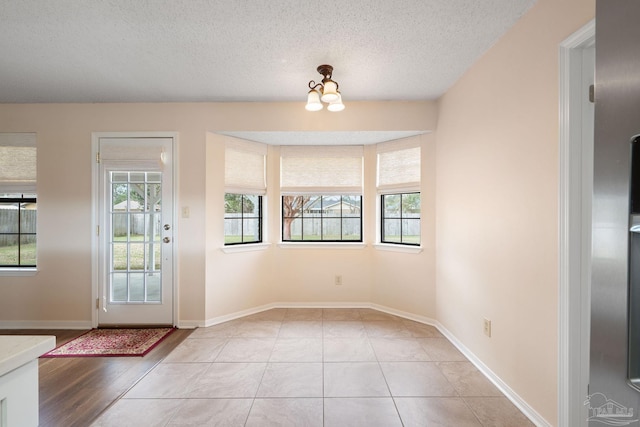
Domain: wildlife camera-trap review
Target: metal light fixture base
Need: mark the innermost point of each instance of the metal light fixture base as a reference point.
(325, 91)
(325, 70)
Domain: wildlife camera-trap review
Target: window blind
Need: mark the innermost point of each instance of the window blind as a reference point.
(18, 155)
(141, 153)
(244, 167)
(335, 169)
(399, 166)
(144, 152)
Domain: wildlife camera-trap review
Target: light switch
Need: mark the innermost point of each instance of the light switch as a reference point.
(185, 212)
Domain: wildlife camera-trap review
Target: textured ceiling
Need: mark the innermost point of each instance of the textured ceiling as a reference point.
(241, 50)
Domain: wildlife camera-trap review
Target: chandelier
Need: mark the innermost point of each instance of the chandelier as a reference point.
(326, 91)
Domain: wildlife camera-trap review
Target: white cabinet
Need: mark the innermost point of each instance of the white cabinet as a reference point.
(19, 378)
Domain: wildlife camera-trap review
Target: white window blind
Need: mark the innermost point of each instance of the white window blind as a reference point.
(18, 155)
(321, 169)
(244, 167)
(143, 152)
(399, 166)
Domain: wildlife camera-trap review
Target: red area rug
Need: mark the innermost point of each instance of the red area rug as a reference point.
(112, 342)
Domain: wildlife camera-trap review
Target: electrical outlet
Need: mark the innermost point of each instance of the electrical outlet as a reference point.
(487, 327)
(338, 280)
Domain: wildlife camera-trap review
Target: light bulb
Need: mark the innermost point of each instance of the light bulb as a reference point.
(313, 101)
(329, 93)
(336, 105)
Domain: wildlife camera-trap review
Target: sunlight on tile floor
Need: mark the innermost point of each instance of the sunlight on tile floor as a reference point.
(315, 367)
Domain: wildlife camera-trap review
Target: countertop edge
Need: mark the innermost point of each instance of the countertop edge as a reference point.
(22, 350)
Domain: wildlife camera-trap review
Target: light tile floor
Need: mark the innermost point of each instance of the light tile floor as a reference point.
(315, 367)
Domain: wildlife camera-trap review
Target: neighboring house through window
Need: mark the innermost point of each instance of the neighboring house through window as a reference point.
(18, 201)
(321, 189)
(398, 185)
(328, 218)
(245, 187)
(400, 217)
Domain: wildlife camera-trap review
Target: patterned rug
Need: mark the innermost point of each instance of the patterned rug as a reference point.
(112, 342)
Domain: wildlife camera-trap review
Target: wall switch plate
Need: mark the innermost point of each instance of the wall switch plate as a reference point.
(487, 327)
(338, 280)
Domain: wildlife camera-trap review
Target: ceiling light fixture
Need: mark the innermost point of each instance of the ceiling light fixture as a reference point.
(326, 91)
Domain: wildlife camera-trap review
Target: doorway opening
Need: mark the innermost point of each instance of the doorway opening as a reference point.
(577, 67)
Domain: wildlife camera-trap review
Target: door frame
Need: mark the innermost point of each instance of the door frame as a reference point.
(95, 215)
(574, 257)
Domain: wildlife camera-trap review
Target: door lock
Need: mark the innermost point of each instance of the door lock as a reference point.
(166, 240)
(167, 227)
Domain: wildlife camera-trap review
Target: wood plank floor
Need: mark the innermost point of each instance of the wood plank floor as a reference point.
(75, 390)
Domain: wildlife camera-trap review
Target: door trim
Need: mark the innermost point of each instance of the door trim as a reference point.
(95, 194)
(573, 261)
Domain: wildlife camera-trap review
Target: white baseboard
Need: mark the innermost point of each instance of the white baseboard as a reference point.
(405, 315)
(519, 402)
(323, 305)
(259, 309)
(45, 324)
(190, 324)
(239, 314)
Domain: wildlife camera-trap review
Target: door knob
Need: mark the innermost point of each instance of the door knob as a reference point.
(167, 226)
(166, 240)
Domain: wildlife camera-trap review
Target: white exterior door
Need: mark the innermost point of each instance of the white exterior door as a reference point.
(135, 231)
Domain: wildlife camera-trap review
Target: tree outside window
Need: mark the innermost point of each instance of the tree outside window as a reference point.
(326, 218)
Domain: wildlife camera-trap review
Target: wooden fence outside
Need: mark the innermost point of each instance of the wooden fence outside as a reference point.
(9, 226)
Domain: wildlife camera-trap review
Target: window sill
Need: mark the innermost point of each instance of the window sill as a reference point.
(18, 272)
(320, 245)
(249, 247)
(398, 248)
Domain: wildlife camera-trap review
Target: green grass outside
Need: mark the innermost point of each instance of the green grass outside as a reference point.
(136, 253)
(237, 239)
(9, 254)
(318, 238)
(407, 239)
(414, 240)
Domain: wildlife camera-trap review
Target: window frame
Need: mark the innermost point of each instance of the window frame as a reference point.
(383, 218)
(321, 218)
(20, 201)
(260, 219)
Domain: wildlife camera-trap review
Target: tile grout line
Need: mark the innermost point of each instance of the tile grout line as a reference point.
(393, 399)
(374, 333)
(266, 365)
(322, 358)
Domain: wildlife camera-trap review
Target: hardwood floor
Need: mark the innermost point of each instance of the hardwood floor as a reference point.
(75, 390)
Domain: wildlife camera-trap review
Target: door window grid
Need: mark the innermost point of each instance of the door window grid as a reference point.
(135, 247)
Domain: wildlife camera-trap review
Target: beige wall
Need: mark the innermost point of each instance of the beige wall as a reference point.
(491, 169)
(212, 284)
(394, 274)
(497, 190)
(295, 275)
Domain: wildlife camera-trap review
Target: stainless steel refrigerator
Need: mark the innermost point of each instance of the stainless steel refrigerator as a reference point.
(614, 382)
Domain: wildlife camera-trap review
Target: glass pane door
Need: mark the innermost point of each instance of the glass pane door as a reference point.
(135, 243)
(135, 240)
